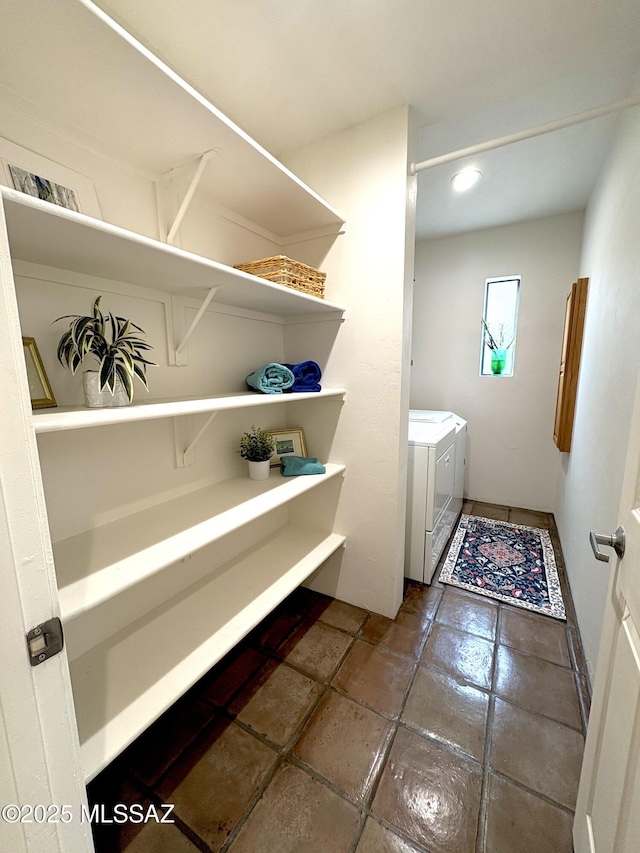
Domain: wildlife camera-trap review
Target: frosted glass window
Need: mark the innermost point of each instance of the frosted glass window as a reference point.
(500, 321)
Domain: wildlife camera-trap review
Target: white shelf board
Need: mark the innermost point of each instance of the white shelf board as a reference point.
(78, 417)
(50, 235)
(100, 563)
(83, 74)
(121, 686)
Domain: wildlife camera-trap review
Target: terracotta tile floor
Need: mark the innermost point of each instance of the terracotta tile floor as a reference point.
(455, 728)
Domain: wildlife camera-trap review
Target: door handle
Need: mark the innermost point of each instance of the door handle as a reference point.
(615, 540)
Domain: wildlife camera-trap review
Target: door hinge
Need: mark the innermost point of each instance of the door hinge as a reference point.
(44, 641)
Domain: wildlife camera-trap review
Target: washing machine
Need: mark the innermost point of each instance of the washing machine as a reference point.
(435, 487)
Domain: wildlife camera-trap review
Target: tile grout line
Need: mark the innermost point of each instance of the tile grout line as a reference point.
(486, 771)
(355, 841)
(486, 758)
(394, 830)
(259, 793)
(572, 633)
(529, 654)
(383, 757)
(180, 824)
(386, 751)
(538, 794)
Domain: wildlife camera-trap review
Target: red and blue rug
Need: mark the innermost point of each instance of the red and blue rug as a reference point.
(510, 562)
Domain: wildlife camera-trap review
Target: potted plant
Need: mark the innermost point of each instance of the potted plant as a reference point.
(116, 346)
(498, 348)
(257, 448)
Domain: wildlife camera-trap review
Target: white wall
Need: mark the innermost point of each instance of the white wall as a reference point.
(511, 456)
(363, 171)
(591, 476)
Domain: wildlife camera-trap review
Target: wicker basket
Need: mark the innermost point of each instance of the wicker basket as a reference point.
(283, 270)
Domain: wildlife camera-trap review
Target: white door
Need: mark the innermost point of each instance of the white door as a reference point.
(38, 737)
(608, 808)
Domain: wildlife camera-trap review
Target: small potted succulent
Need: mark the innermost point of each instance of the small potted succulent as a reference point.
(257, 448)
(118, 349)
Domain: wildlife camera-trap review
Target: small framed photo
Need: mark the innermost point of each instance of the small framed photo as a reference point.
(288, 441)
(39, 387)
(29, 173)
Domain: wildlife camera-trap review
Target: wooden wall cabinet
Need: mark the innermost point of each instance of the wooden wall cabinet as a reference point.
(570, 364)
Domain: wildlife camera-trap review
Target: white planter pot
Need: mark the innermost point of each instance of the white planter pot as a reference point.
(94, 398)
(259, 470)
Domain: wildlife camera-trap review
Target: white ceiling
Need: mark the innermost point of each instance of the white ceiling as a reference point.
(293, 71)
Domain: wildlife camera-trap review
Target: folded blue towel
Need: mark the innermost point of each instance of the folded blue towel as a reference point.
(307, 375)
(292, 466)
(271, 378)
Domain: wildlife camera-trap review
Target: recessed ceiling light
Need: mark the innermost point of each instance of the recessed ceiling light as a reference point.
(465, 179)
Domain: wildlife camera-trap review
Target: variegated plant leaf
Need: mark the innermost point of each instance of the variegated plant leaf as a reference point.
(140, 360)
(107, 377)
(139, 372)
(64, 345)
(124, 320)
(126, 379)
(123, 328)
(126, 360)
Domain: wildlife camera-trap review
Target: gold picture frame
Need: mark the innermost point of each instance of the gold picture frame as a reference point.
(41, 392)
(288, 442)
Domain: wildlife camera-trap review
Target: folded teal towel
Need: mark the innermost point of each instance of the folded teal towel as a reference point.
(292, 466)
(271, 379)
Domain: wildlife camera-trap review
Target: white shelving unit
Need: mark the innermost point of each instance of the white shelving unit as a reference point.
(204, 624)
(203, 621)
(77, 417)
(103, 562)
(54, 236)
(126, 671)
(93, 568)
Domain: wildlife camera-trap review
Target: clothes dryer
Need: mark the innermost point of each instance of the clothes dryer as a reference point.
(435, 485)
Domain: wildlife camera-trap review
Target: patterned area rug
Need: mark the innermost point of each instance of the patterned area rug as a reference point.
(510, 562)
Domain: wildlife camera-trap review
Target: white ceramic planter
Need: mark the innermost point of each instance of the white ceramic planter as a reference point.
(94, 398)
(259, 470)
